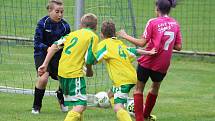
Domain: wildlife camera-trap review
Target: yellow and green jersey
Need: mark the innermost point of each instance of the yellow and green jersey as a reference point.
(118, 61)
(78, 48)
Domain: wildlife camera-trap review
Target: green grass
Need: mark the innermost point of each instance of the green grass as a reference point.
(186, 94)
(18, 108)
(19, 18)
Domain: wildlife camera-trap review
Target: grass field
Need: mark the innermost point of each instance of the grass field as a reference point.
(19, 18)
(187, 94)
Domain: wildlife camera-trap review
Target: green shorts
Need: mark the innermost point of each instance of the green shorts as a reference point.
(121, 93)
(74, 91)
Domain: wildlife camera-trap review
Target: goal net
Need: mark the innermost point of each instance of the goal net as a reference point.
(18, 22)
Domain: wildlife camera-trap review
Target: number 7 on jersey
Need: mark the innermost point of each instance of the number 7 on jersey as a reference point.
(171, 38)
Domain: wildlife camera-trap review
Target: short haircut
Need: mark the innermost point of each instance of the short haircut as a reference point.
(89, 20)
(108, 29)
(164, 6)
(52, 2)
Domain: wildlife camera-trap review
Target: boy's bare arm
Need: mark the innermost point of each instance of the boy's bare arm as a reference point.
(51, 51)
(139, 42)
(144, 52)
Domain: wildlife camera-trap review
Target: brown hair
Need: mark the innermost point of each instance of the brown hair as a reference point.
(51, 2)
(164, 6)
(89, 20)
(108, 29)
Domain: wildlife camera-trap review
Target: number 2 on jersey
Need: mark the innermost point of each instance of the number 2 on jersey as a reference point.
(72, 43)
(171, 38)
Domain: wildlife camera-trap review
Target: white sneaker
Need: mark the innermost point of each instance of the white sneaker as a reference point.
(35, 111)
(64, 108)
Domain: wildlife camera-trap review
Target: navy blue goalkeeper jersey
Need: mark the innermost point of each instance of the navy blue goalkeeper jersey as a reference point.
(46, 33)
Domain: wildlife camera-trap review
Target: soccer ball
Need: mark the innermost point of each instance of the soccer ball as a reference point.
(130, 107)
(102, 100)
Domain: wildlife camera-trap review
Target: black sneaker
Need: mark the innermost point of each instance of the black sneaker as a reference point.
(151, 118)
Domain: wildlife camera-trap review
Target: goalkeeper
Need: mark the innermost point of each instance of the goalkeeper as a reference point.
(49, 29)
(118, 62)
(78, 49)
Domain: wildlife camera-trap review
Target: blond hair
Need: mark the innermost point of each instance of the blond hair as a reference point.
(89, 20)
(52, 2)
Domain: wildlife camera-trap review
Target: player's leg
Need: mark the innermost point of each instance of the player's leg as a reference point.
(74, 90)
(151, 98)
(59, 96)
(111, 97)
(121, 113)
(40, 87)
(54, 75)
(39, 93)
(138, 101)
(142, 75)
(120, 98)
(150, 101)
(76, 113)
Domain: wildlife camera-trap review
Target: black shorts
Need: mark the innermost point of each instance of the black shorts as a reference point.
(143, 74)
(52, 68)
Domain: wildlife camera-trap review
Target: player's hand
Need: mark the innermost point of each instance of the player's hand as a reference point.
(42, 69)
(122, 33)
(152, 51)
(89, 72)
(48, 49)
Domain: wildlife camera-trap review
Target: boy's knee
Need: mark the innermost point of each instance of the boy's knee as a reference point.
(42, 81)
(117, 107)
(79, 108)
(138, 90)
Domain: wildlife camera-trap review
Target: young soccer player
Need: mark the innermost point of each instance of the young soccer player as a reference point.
(118, 60)
(49, 29)
(162, 33)
(78, 49)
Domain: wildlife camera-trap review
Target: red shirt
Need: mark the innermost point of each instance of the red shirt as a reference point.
(161, 33)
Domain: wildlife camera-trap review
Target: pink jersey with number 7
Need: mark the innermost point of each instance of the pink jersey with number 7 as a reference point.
(161, 33)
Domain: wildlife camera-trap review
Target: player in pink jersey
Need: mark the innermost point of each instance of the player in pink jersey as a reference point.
(163, 34)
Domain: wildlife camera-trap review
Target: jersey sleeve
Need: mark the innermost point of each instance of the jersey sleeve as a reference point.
(148, 31)
(101, 52)
(66, 26)
(91, 51)
(68, 29)
(61, 41)
(38, 38)
(132, 52)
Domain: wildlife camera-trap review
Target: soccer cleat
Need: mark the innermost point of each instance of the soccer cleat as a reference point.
(151, 118)
(35, 110)
(60, 99)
